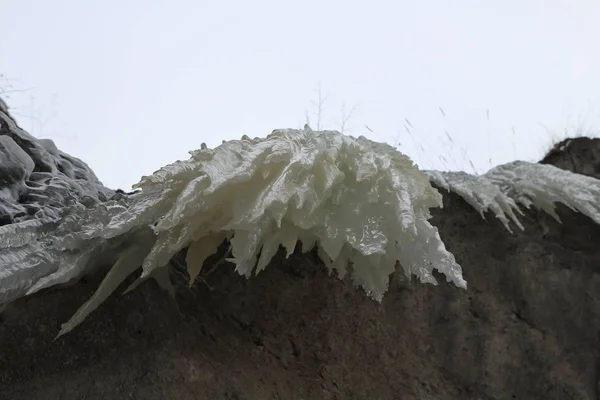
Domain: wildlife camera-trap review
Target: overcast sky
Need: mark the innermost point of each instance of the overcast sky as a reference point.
(131, 85)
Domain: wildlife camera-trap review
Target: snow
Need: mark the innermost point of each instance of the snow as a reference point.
(363, 204)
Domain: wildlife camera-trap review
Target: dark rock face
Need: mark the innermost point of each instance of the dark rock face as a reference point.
(528, 327)
(581, 155)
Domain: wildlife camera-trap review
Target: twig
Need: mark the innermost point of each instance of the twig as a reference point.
(319, 105)
(346, 117)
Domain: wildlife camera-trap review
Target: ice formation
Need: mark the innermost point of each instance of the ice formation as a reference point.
(503, 188)
(360, 202)
(363, 204)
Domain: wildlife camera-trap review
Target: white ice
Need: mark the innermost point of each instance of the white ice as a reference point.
(503, 188)
(362, 203)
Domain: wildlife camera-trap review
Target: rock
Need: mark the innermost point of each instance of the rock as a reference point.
(580, 155)
(15, 164)
(3, 106)
(527, 327)
(37, 180)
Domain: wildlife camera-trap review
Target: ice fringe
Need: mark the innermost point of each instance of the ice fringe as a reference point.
(360, 202)
(502, 188)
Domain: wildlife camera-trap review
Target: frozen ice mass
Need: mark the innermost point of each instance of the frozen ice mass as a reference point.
(362, 204)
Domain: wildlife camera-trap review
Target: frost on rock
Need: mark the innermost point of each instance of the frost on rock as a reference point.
(501, 189)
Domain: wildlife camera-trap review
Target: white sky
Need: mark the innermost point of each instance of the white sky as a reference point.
(131, 85)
